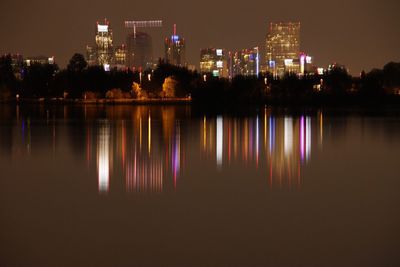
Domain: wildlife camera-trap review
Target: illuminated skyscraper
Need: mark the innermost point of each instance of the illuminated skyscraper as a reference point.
(104, 44)
(246, 62)
(91, 55)
(120, 56)
(214, 61)
(283, 48)
(139, 51)
(175, 49)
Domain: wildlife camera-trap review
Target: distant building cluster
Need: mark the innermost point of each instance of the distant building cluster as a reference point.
(282, 52)
(103, 52)
(18, 62)
(282, 55)
(137, 53)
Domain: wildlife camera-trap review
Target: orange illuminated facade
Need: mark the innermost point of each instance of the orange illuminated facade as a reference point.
(283, 48)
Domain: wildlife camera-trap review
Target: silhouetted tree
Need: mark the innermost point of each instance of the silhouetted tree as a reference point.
(337, 82)
(8, 81)
(96, 80)
(76, 79)
(77, 63)
(391, 72)
(372, 84)
(184, 78)
(39, 80)
(214, 91)
(61, 83)
(246, 89)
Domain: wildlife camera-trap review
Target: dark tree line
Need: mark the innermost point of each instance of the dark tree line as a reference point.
(79, 81)
(8, 82)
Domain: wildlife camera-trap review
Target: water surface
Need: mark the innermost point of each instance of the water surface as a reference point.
(170, 186)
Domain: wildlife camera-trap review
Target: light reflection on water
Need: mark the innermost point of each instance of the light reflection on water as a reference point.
(285, 148)
(103, 160)
(149, 148)
(264, 188)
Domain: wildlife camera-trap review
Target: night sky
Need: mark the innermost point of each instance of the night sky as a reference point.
(360, 34)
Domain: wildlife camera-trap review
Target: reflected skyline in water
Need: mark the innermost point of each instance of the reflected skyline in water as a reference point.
(151, 147)
(163, 185)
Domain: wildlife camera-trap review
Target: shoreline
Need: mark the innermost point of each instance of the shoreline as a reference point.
(103, 101)
(352, 102)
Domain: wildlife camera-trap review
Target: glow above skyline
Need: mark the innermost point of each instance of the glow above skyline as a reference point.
(371, 18)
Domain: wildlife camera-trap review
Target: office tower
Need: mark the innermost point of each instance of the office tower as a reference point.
(246, 62)
(42, 60)
(175, 49)
(120, 56)
(17, 64)
(91, 55)
(306, 64)
(214, 61)
(283, 48)
(139, 51)
(104, 44)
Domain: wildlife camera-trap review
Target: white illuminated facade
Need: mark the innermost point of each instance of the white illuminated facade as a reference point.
(102, 53)
(104, 44)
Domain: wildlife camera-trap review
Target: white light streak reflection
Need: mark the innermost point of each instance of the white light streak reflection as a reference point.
(103, 160)
(308, 138)
(220, 139)
(288, 136)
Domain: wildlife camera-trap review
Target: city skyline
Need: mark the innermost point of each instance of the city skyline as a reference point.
(364, 37)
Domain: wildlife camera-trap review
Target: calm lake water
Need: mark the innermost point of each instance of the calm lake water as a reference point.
(171, 186)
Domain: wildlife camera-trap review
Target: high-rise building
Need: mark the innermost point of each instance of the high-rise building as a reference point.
(42, 60)
(283, 48)
(306, 64)
(91, 55)
(246, 62)
(104, 44)
(120, 56)
(175, 49)
(139, 51)
(214, 61)
(17, 64)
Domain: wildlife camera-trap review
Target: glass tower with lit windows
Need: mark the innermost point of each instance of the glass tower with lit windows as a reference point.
(120, 56)
(104, 43)
(246, 62)
(175, 49)
(214, 61)
(283, 48)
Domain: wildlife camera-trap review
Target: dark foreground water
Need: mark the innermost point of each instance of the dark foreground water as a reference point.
(168, 186)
